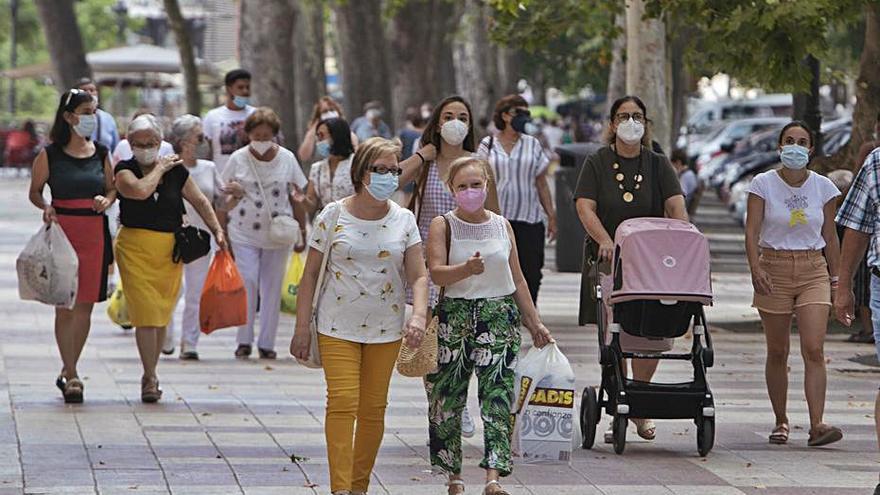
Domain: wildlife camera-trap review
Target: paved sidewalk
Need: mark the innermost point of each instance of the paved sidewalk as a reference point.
(255, 427)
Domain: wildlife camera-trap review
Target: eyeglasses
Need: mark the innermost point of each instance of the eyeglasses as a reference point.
(70, 93)
(623, 117)
(382, 170)
(521, 111)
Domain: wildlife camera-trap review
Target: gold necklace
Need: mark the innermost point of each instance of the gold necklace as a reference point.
(628, 195)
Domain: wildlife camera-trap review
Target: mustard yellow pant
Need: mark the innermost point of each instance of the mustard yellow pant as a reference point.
(357, 378)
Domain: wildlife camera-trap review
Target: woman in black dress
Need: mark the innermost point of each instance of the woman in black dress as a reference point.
(624, 180)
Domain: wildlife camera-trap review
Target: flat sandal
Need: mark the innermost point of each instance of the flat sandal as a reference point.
(501, 491)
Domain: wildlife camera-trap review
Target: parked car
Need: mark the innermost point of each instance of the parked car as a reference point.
(733, 132)
(708, 115)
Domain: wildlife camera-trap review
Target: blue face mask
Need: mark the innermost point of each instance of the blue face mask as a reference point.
(240, 101)
(794, 157)
(322, 149)
(382, 186)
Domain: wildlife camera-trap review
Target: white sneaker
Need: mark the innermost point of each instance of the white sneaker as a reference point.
(468, 428)
(168, 345)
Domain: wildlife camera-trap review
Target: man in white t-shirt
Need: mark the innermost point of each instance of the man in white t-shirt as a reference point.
(224, 125)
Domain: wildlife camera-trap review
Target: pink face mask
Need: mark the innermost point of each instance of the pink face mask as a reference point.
(470, 200)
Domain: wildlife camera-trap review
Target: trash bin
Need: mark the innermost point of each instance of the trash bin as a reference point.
(571, 234)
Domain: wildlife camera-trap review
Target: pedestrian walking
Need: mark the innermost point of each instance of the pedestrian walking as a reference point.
(262, 182)
(520, 166)
(861, 285)
(330, 178)
(106, 132)
(152, 191)
(325, 108)
(374, 254)
(486, 298)
(622, 180)
(794, 255)
(859, 217)
(122, 151)
(224, 125)
(370, 124)
(449, 135)
(687, 178)
(189, 144)
(80, 180)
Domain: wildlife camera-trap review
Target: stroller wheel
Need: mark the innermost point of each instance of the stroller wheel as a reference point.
(705, 435)
(619, 428)
(589, 417)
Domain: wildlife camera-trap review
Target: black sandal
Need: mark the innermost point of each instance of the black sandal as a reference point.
(267, 354)
(73, 391)
(243, 351)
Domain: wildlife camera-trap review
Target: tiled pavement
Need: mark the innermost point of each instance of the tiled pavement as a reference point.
(255, 427)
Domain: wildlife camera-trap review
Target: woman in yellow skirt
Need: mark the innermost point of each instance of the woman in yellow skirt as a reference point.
(151, 192)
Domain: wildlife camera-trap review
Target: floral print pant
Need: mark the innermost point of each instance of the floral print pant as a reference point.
(479, 335)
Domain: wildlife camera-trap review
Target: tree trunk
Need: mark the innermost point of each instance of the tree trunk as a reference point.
(308, 58)
(867, 98)
(509, 70)
(474, 60)
(187, 57)
(679, 80)
(806, 105)
(646, 68)
(265, 38)
(363, 55)
(63, 38)
(617, 72)
(421, 47)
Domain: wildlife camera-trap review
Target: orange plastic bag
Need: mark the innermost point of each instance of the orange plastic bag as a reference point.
(224, 298)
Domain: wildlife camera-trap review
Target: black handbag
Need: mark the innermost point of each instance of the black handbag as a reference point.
(190, 244)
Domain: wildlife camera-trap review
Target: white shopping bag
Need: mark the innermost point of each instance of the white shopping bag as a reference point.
(48, 268)
(544, 422)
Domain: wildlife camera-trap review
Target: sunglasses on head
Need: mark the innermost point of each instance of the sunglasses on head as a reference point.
(70, 94)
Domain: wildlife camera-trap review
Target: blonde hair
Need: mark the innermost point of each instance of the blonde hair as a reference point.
(368, 152)
(466, 161)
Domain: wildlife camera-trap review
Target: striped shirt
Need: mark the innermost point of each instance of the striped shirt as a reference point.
(515, 175)
(859, 209)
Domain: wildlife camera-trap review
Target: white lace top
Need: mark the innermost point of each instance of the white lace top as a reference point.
(490, 239)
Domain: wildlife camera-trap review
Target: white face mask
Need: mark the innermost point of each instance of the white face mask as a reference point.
(330, 115)
(373, 114)
(261, 147)
(146, 156)
(631, 132)
(454, 132)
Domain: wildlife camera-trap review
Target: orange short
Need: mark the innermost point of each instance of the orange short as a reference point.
(799, 278)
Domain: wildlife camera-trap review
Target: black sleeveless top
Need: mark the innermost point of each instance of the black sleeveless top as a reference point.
(76, 178)
(163, 210)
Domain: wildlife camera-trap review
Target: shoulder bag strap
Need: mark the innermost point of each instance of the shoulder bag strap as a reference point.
(489, 157)
(250, 160)
(331, 233)
(448, 245)
(659, 210)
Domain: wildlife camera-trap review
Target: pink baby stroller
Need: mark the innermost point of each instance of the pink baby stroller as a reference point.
(660, 282)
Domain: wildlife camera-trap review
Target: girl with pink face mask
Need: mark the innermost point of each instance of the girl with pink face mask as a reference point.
(486, 299)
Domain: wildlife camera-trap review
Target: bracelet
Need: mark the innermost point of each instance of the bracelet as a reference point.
(835, 279)
(419, 154)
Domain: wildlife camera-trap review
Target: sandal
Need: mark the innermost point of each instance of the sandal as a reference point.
(452, 487)
(824, 435)
(861, 338)
(500, 491)
(73, 391)
(646, 428)
(779, 435)
(61, 383)
(150, 391)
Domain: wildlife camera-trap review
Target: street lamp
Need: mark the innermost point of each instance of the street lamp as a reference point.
(121, 11)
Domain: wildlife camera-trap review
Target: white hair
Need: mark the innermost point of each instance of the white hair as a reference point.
(181, 128)
(146, 122)
(841, 178)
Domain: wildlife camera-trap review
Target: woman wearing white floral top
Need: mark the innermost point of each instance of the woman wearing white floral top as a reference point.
(375, 252)
(330, 178)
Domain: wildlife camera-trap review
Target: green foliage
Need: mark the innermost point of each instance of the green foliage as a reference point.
(37, 98)
(569, 41)
(761, 42)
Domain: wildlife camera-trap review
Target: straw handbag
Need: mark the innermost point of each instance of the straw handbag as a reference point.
(422, 361)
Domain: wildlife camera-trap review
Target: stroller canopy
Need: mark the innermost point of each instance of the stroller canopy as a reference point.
(661, 259)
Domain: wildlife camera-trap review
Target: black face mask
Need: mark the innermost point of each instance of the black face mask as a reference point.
(519, 122)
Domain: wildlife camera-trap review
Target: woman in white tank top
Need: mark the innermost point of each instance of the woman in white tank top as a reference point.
(480, 315)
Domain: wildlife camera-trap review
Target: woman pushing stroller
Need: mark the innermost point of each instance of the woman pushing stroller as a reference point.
(623, 180)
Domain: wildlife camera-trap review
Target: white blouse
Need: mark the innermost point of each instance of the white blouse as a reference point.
(330, 190)
(490, 239)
